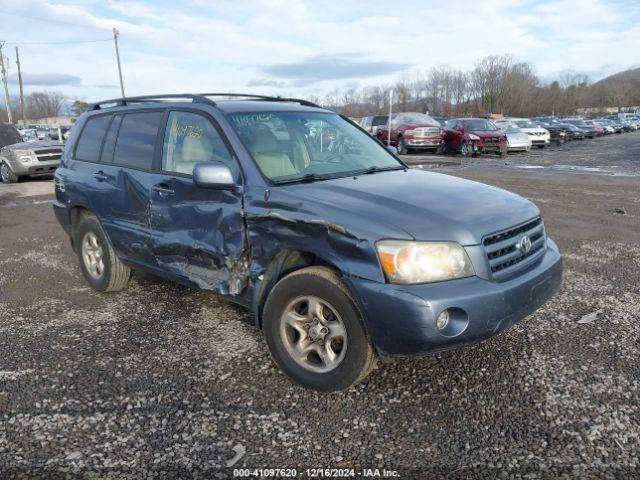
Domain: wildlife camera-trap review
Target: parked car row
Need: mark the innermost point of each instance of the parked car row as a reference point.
(31, 157)
(412, 131)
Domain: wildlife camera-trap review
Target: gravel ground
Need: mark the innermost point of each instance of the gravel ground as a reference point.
(163, 381)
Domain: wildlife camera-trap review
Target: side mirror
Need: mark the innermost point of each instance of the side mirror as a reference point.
(214, 175)
(393, 149)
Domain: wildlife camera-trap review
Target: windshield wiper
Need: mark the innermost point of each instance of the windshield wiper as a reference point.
(306, 178)
(376, 169)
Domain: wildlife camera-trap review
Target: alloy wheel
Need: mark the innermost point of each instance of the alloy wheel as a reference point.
(313, 334)
(92, 255)
(4, 173)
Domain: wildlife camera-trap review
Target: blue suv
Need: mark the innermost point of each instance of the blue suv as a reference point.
(342, 253)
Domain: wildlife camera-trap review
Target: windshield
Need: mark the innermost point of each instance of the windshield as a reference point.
(288, 146)
(417, 118)
(377, 121)
(525, 124)
(508, 127)
(479, 125)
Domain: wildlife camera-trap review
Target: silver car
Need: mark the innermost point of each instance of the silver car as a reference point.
(516, 138)
(37, 158)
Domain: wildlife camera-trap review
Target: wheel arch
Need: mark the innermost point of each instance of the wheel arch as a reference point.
(283, 263)
(76, 214)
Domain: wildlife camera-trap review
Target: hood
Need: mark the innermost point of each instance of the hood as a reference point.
(420, 124)
(518, 137)
(410, 204)
(487, 134)
(35, 145)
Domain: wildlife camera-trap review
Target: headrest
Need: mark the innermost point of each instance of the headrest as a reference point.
(263, 141)
(196, 149)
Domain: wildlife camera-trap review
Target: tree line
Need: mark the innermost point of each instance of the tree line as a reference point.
(496, 84)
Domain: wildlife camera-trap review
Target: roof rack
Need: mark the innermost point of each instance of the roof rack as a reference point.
(195, 98)
(266, 98)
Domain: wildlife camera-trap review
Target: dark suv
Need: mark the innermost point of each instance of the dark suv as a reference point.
(341, 252)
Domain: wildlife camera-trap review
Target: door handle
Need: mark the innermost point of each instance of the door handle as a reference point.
(100, 176)
(163, 189)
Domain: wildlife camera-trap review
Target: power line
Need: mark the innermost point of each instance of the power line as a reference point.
(60, 42)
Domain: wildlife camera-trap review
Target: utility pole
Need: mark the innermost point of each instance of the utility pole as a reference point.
(389, 121)
(21, 91)
(116, 34)
(3, 70)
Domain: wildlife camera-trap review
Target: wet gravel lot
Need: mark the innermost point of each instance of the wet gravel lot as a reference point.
(163, 381)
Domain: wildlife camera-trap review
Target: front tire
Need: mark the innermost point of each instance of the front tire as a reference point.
(315, 331)
(6, 174)
(100, 265)
(402, 146)
(465, 149)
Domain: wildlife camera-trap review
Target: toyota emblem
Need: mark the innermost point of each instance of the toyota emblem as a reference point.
(524, 244)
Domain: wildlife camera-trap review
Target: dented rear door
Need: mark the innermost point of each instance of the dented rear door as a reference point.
(197, 233)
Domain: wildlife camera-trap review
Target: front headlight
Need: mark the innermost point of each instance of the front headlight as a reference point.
(423, 262)
(22, 153)
(410, 132)
(473, 137)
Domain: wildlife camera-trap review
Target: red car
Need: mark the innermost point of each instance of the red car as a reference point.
(412, 131)
(471, 136)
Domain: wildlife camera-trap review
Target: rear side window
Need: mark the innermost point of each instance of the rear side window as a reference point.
(88, 148)
(110, 140)
(137, 140)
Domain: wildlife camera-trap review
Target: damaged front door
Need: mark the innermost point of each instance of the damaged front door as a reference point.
(197, 233)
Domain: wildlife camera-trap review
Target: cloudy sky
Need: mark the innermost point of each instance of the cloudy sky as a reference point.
(302, 47)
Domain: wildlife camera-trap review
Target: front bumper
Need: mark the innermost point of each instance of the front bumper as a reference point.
(33, 167)
(490, 147)
(540, 140)
(519, 146)
(402, 318)
(423, 142)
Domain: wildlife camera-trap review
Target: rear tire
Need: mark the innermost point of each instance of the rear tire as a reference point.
(6, 174)
(99, 263)
(293, 331)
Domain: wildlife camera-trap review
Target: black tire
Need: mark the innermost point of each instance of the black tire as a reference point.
(465, 149)
(6, 174)
(402, 146)
(540, 146)
(323, 283)
(115, 274)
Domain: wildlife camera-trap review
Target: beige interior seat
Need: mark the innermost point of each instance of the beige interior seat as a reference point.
(192, 151)
(264, 149)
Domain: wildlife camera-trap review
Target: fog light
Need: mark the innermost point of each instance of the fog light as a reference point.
(443, 320)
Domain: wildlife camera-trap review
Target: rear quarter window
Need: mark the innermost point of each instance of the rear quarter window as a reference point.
(90, 142)
(136, 141)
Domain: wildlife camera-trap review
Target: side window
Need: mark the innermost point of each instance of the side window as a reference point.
(191, 138)
(110, 140)
(137, 140)
(90, 142)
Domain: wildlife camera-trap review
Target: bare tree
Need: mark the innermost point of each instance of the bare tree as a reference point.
(43, 104)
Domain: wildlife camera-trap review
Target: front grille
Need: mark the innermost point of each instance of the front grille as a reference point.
(491, 142)
(48, 154)
(503, 250)
(428, 131)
